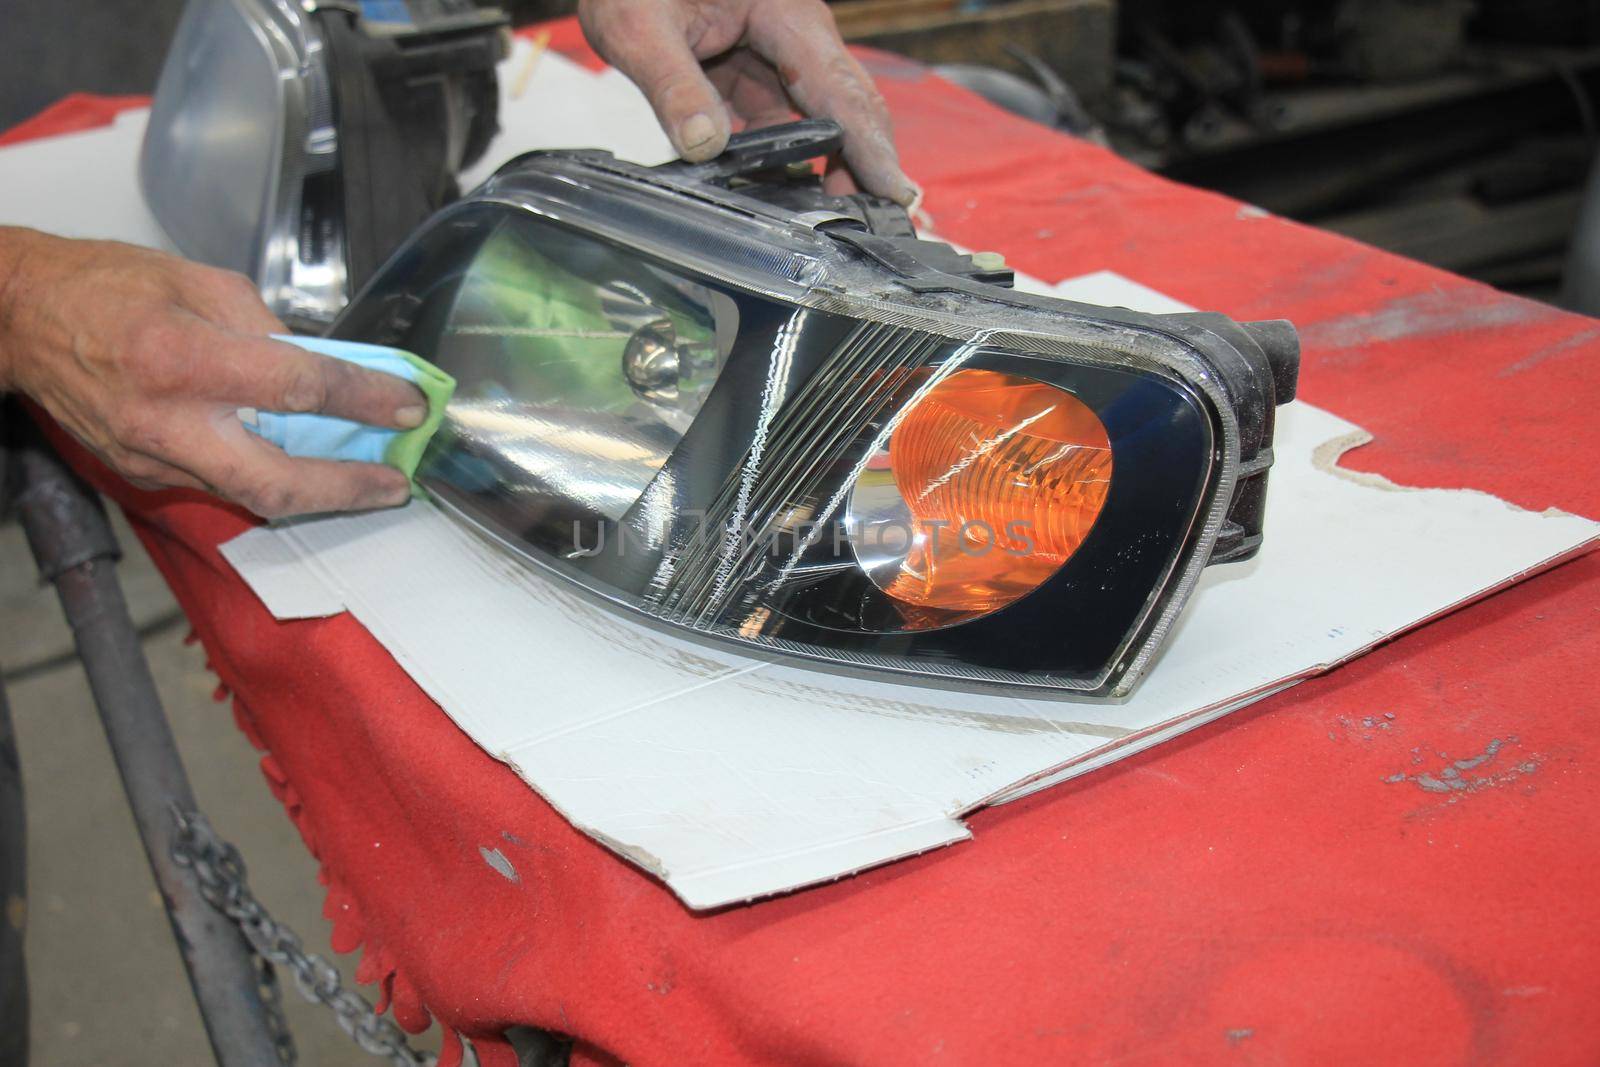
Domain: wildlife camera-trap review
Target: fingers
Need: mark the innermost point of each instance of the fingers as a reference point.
(193, 438)
(751, 88)
(240, 467)
(838, 181)
(800, 39)
(277, 376)
(181, 357)
(220, 457)
(648, 42)
(204, 446)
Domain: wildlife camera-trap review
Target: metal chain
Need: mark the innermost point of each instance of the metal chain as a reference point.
(219, 869)
(272, 1000)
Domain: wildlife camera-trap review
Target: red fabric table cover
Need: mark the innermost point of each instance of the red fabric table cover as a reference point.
(1253, 892)
(72, 114)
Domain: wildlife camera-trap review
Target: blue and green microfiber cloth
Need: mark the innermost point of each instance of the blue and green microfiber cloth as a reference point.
(326, 437)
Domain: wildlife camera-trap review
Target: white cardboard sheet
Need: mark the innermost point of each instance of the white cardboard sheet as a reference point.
(731, 777)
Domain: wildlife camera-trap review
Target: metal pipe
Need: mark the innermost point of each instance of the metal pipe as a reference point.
(75, 549)
(1580, 286)
(13, 897)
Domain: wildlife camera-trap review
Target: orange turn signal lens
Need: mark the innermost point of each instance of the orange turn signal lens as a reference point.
(989, 484)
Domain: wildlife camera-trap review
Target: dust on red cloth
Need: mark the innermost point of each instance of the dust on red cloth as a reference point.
(1255, 890)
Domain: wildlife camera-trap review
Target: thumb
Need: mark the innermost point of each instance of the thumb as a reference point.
(646, 42)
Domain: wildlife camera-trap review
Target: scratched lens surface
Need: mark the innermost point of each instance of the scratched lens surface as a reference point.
(988, 485)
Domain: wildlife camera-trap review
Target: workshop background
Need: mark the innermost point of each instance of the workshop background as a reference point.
(1458, 132)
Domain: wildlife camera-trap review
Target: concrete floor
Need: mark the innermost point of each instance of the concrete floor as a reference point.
(107, 984)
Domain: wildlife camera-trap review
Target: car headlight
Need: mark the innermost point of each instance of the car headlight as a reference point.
(715, 397)
(300, 144)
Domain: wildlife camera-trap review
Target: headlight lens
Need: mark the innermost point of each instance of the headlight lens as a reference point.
(579, 370)
(988, 483)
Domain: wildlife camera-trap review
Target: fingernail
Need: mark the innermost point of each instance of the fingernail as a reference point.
(410, 416)
(393, 495)
(696, 131)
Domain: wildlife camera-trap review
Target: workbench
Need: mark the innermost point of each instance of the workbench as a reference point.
(1278, 886)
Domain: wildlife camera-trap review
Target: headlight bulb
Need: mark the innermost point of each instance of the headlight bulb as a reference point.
(652, 363)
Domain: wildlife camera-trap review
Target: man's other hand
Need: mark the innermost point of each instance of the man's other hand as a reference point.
(701, 63)
(146, 359)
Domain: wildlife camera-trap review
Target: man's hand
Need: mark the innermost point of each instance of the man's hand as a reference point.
(146, 359)
(703, 62)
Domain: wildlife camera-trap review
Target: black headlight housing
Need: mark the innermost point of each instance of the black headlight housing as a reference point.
(699, 392)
